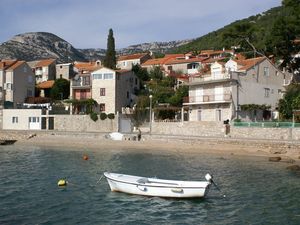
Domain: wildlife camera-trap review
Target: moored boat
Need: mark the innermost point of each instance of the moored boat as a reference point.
(158, 187)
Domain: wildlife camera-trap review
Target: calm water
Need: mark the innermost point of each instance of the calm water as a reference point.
(257, 192)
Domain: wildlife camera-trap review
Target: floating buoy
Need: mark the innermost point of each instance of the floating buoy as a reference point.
(85, 157)
(62, 182)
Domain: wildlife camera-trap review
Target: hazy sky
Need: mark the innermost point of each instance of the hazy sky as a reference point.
(85, 23)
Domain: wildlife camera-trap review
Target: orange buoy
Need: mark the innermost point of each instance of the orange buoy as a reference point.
(85, 157)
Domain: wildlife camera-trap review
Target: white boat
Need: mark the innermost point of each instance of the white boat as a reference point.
(116, 136)
(158, 187)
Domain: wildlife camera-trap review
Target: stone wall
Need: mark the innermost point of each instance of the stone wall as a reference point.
(265, 133)
(217, 129)
(203, 128)
(83, 123)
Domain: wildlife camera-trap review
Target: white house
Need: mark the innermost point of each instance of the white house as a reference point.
(222, 93)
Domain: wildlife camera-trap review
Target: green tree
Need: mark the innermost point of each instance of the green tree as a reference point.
(140, 72)
(290, 101)
(110, 60)
(284, 31)
(156, 73)
(60, 89)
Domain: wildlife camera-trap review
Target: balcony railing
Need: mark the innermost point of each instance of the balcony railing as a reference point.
(208, 99)
(81, 83)
(209, 77)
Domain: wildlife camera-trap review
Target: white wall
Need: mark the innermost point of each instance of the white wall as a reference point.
(18, 119)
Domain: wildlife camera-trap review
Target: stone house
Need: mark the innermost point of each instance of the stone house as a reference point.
(65, 71)
(221, 94)
(114, 89)
(16, 83)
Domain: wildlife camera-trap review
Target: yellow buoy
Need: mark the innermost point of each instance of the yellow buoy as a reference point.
(62, 182)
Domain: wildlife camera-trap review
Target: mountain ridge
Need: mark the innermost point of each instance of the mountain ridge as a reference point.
(40, 45)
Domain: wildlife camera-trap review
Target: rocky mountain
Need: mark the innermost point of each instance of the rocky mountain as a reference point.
(42, 45)
(161, 47)
(39, 45)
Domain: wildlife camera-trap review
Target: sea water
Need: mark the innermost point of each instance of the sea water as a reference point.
(257, 191)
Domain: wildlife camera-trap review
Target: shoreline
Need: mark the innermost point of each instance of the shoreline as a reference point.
(288, 151)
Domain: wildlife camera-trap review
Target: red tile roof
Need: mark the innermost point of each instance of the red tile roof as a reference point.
(181, 61)
(87, 66)
(248, 63)
(45, 62)
(46, 84)
(131, 57)
(10, 64)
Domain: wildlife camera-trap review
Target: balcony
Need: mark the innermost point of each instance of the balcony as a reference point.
(209, 78)
(207, 99)
(83, 82)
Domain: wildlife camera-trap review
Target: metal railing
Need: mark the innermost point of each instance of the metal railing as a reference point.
(208, 98)
(209, 77)
(266, 124)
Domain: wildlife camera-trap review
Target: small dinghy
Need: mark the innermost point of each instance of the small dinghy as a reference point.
(158, 187)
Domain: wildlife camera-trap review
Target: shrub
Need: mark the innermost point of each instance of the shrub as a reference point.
(103, 116)
(94, 116)
(111, 116)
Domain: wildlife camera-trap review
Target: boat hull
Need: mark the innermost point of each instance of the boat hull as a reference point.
(157, 187)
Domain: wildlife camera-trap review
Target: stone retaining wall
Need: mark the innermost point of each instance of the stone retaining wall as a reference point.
(214, 129)
(83, 123)
(217, 129)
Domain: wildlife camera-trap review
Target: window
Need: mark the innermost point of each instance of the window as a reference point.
(25, 69)
(9, 86)
(29, 93)
(127, 94)
(97, 76)
(136, 81)
(34, 119)
(29, 79)
(108, 76)
(266, 71)
(102, 107)
(15, 119)
(60, 76)
(267, 92)
(102, 91)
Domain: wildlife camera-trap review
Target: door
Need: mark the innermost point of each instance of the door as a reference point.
(218, 115)
(34, 123)
(199, 115)
(219, 93)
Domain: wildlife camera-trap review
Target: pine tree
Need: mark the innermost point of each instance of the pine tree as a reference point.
(110, 57)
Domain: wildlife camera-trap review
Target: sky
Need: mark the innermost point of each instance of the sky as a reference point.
(85, 23)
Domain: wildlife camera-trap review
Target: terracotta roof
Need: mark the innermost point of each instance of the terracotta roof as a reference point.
(10, 64)
(213, 52)
(130, 57)
(46, 84)
(211, 60)
(87, 66)
(248, 63)
(45, 62)
(191, 60)
(161, 61)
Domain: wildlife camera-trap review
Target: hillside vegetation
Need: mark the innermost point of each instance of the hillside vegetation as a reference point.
(267, 31)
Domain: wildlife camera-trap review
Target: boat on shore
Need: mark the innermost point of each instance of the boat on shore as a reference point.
(158, 187)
